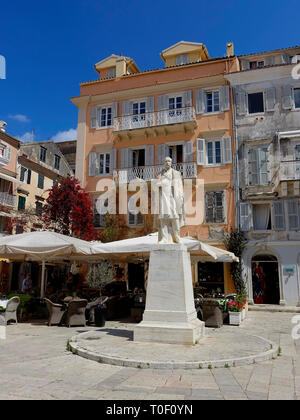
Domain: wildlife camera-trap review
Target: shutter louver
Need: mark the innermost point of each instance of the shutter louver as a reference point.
(187, 98)
(245, 217)
(225, 99)
(245, 65)
(227, 150)
(200, 151)
(149, 155)
(200, 101)
(92, 164)
(278, 215)
(241, 102)
(293, 214)
(269, 61)
(270, 99)
(94, 117)
(287, 99)
(188, 155)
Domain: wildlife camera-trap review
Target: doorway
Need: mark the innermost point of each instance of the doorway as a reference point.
(136, 276)
(265, 280)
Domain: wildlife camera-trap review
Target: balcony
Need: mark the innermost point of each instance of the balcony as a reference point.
(147, 173)
(154, 124)
(7, 199)
(290, 171)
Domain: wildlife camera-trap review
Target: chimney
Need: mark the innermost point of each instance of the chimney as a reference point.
(229, 49)
(121, 66)
(3, 125)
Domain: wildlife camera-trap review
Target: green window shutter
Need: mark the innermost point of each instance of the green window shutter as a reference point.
(21, 203)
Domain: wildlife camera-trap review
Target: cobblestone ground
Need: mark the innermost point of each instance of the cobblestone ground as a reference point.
(34, 364)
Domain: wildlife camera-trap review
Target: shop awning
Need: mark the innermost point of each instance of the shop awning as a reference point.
(142, 246)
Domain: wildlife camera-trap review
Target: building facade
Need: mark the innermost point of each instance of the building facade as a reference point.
(40, 166)
(267, 162)
(129, 121)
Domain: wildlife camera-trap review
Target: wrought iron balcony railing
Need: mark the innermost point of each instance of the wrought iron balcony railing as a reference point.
(147, 173)
(154, 119)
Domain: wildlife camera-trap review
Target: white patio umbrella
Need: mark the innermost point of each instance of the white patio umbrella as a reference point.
(42, 246)
(142, 246)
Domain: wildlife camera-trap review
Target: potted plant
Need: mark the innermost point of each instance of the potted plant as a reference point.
(235, 313)
(241, 299)
(100, 314)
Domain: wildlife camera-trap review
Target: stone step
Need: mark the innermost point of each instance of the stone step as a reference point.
(274, 308)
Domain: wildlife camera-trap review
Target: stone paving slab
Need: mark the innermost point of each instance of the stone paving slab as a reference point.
(34, 364)
(223, 347)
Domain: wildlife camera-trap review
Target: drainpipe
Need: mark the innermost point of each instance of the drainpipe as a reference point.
(236, 168)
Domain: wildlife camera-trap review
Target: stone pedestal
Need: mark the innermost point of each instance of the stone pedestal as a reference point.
(170, 315)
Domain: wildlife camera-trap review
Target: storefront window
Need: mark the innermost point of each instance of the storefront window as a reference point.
(211, 278)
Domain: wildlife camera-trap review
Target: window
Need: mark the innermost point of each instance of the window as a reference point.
(56, 162)
(43, 153)
(213, 101)
(104, 163)
(256, 103)
(41, 181)
(106, 117)
(261, 217)
(138, 111)
(111, 73)
(21, 203)
(278, 215)
(25, 175)
(135, 219)
(256, 64)
(55, 182)
(259, 166)
(98, 218)
(182, 59)
(214, 208)
(297, 98)
(214, 156)
(175, 103)
(38, 208)
(138, 158)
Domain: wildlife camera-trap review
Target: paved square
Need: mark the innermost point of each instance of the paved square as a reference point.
(35, 364)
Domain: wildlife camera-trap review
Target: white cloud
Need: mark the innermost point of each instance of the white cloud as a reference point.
(20, 118)
(26, 137)
(67, 135)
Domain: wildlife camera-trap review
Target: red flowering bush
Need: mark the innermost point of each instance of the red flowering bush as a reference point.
(235, 306)
(68, 210)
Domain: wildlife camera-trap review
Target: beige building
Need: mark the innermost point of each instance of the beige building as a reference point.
(40, 166)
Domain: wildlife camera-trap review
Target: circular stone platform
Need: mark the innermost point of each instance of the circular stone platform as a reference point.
(224, 347)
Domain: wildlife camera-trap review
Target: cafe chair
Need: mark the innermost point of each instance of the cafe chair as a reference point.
(55, 312)
(11, 309)
(75, 315)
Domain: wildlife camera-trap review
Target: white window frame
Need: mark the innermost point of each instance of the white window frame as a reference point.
(111, 72)
(270, 213)
(104, 154)
(253, 114)
(98, 110)
(177, 111)
(212, 91)
(140, 116)
(214, 163)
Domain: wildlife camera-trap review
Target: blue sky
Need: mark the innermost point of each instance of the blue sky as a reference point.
(52, 46)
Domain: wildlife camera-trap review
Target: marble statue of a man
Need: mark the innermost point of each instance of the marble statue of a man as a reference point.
(170, 216)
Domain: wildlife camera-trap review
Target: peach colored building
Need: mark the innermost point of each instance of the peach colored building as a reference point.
(130, 120)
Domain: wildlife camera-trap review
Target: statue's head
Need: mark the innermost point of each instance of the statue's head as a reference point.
(168, 162)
